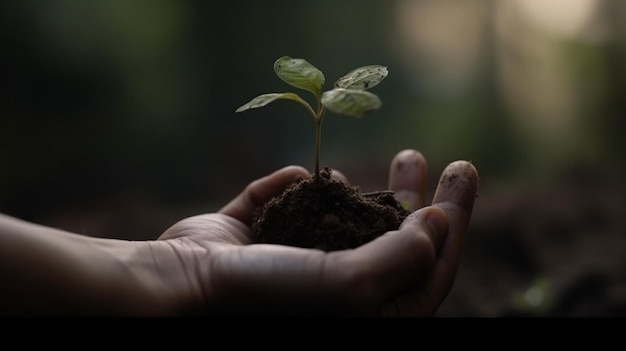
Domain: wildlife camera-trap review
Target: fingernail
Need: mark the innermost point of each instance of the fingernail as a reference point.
(458, 183)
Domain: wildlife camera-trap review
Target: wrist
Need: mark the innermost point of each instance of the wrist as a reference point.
(54, 272)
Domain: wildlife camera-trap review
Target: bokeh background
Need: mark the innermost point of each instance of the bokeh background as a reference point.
(117, 119)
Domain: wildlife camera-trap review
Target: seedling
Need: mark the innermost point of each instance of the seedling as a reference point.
(349, 95)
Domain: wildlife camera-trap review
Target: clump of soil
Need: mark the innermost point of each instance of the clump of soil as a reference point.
(327, 214)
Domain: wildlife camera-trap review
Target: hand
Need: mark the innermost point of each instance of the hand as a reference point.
(212, 265)
(209, 265)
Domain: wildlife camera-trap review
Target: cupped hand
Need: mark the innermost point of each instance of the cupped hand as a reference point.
(209, 264)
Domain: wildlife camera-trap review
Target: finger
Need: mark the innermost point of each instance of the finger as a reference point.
(398, 260)
(338, 176)
(408, 178)
(455, 194)
(261, 191)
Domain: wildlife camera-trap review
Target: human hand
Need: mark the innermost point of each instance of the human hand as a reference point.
(209, 264)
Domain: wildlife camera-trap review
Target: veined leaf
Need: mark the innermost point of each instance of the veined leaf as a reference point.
(351, 102)
(300, 74)
(265, 99)
(363, 78)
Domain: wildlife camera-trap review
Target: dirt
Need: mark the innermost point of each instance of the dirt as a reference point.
(327, 214)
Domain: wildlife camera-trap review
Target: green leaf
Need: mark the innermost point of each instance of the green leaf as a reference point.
(265, 99)
(363, 78)
(351, 102)
(300, 74)
(406, 205)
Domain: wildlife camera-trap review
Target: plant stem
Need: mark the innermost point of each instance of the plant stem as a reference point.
(318, 140)
(317, 149)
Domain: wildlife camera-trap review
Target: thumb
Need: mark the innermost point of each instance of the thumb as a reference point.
(400, 259)
(435, 218)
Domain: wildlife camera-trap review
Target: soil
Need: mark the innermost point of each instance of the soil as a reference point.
(328, 215)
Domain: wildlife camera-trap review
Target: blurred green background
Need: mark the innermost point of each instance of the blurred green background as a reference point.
(117, 117)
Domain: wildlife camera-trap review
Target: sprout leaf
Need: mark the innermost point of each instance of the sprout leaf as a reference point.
(265, 99)
(300, 74)
(363, 78)
(351, 102)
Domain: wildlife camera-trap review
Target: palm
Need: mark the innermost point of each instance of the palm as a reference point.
(208, 260)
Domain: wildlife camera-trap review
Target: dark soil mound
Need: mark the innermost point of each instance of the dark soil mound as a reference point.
(328, 215)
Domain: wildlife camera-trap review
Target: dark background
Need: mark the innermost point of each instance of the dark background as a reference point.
(117, 119)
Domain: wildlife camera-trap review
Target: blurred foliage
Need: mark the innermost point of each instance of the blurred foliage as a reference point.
(137, 99)
(535, 300)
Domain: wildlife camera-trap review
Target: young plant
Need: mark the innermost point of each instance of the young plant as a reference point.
(349, 95)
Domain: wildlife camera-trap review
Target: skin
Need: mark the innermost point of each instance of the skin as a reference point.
(208, 264)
